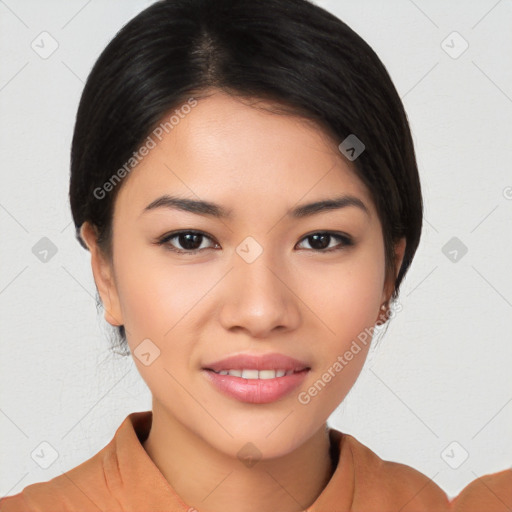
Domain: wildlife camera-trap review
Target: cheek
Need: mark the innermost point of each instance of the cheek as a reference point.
(348, 314)
(347, 299)
(160, 298)
(345, 296)
(155, 297)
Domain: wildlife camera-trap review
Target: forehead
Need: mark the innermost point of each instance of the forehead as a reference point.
(230, 152)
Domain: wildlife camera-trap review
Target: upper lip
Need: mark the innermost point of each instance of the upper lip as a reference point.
(271, 361)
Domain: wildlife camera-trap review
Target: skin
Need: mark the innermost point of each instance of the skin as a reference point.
(203, 307)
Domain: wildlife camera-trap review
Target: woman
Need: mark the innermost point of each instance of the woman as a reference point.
(244, 177)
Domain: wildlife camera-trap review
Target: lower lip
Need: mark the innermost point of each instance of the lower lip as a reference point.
(256, 391)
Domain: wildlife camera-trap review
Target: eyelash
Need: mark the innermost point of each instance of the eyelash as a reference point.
(346, 241)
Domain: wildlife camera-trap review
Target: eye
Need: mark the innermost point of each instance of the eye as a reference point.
(320, 241)
(190, 242)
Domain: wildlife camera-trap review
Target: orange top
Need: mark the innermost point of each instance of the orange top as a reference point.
(122, 477)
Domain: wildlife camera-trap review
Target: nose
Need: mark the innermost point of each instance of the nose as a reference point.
(259, 298)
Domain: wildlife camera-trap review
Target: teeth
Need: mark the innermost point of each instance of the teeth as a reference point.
(255, 374)
(250, 374)
(267, 374)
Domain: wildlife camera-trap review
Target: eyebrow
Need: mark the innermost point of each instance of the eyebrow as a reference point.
(209, 209)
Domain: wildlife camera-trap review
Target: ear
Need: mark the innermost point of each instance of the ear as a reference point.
(389, 286)
(399, 256)
(103, 276)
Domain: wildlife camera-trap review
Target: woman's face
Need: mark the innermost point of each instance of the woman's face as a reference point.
(260, 281)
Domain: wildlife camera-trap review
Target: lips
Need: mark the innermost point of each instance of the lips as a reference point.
(272, 361)
(256, 379)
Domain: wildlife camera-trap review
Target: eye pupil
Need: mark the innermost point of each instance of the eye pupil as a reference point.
(321, 245)
(186, 240)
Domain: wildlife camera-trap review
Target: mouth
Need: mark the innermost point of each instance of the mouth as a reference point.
(261, 363)
(256, 379)
(254, 374)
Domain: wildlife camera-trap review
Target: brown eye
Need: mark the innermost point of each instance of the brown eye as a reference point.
(321, 242)
(188, 242)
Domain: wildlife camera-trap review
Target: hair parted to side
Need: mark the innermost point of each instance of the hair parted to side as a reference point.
(292, 52)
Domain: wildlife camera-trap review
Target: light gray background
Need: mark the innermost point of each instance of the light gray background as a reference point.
(442, 372)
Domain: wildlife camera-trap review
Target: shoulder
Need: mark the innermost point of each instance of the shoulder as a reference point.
(392, 486)
(83, 488)
(492, 493)
(106, 481)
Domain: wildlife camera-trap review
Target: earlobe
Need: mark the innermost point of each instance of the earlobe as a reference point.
(103, 276)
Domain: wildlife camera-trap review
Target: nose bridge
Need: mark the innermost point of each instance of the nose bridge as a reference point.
(259, 298)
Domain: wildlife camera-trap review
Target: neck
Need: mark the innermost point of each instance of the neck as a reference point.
(213, 481)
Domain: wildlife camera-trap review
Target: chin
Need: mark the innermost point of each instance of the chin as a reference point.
(257, 441)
